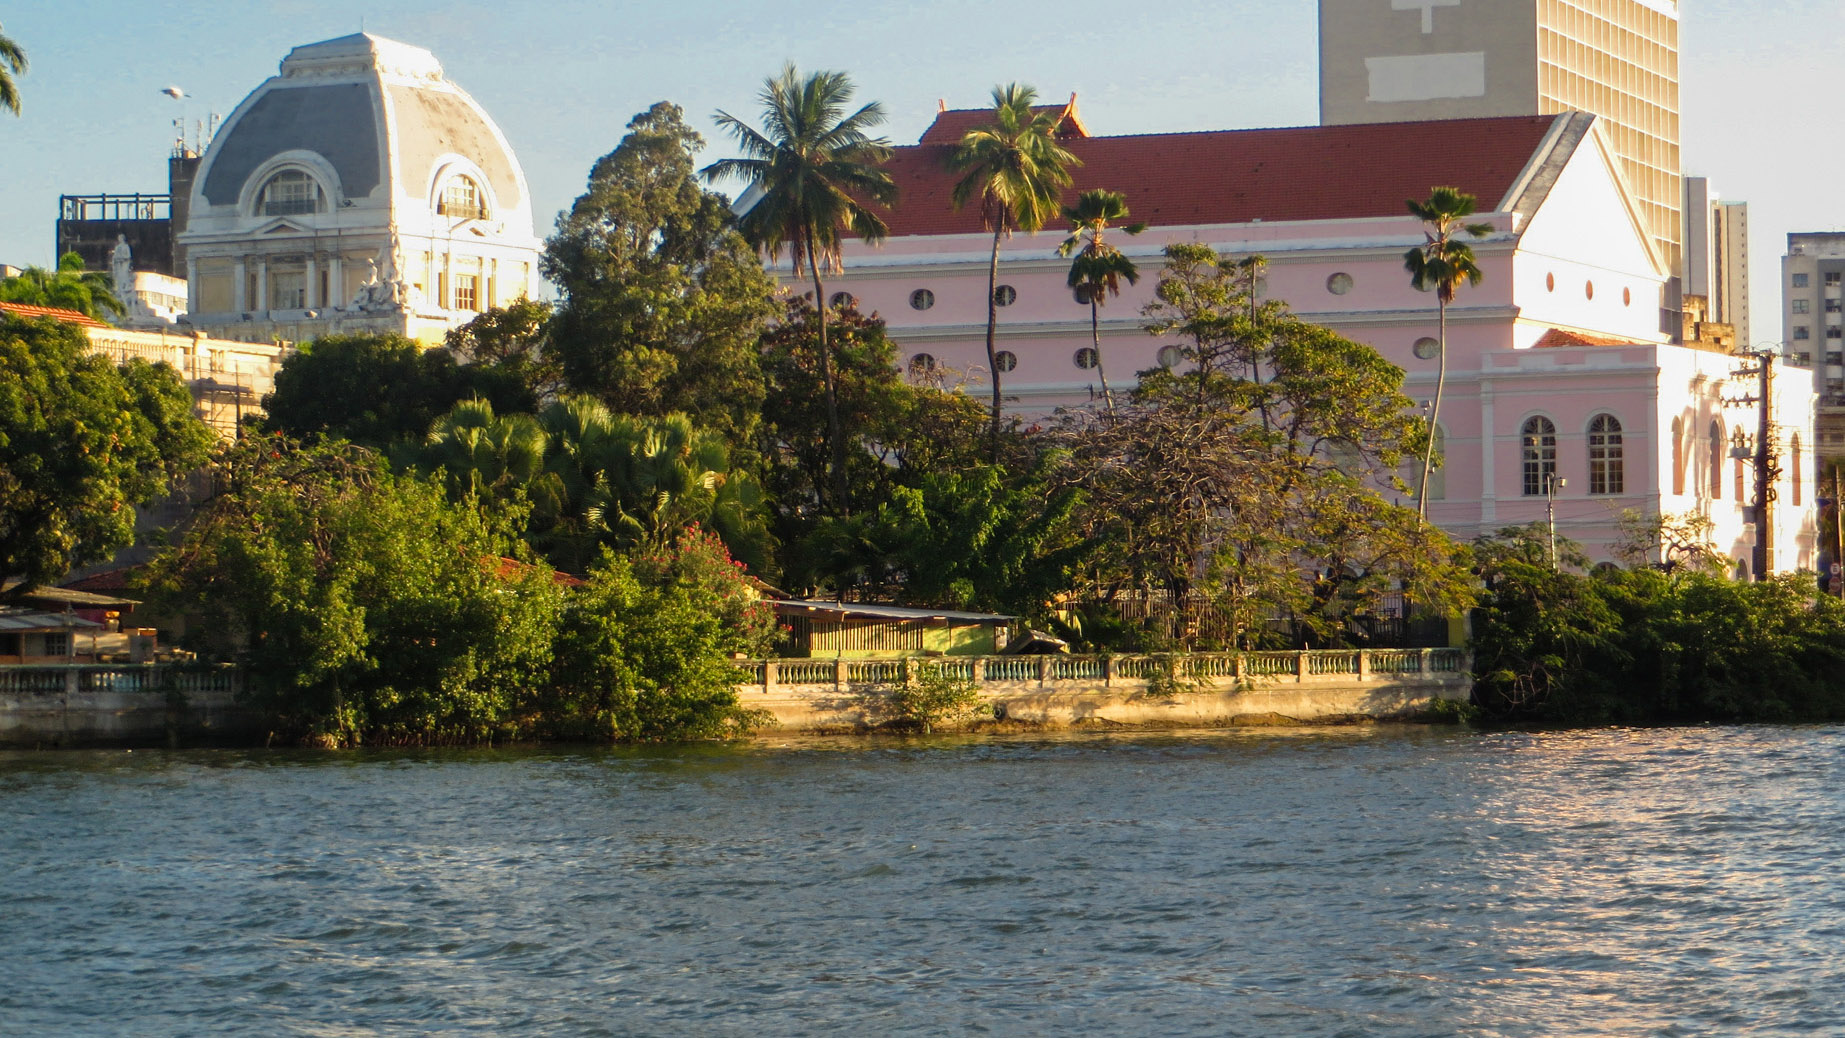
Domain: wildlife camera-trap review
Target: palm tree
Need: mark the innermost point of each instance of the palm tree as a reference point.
(67, 287)
(1441, 263)
(485, 455)
(12, 63)
(1099, 268)
(814, 168)
(1015, 167)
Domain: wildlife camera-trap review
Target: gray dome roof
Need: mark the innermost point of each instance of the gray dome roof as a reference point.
(360, 102)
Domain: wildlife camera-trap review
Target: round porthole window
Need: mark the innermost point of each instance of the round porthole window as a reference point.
(1550, 282)
(843, 299)
(1627, 297)
(1426, 348)
(1086, 358)
(1005, 295)
(922, 299)
(922, 362)
(1005, 360)
(1588, 290)
(1170, 356)
(1339, 284)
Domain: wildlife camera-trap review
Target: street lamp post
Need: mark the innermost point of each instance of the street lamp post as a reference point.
(1552, 484)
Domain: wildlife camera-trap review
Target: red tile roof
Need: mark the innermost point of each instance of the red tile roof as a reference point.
(1239, 176)
(29, 312)
(953, 123)
(1559, 337)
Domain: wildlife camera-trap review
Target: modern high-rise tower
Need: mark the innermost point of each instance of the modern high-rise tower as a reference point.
(1410, 60)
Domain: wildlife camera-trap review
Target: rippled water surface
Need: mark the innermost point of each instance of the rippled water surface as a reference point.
(1344, 882)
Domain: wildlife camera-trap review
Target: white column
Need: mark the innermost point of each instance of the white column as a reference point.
(336, 281)
(239, 291)
(262, 283)
(310, 292)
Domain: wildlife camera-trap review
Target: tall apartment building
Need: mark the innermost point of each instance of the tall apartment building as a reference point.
(1813, 324)
(1717, 255)
(1409, 60)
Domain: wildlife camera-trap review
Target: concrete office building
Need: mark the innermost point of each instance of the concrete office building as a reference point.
(1717, 255)
(1813, 325)
(1384, 61)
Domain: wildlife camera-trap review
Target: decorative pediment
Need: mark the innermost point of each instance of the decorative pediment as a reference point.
(283, 227)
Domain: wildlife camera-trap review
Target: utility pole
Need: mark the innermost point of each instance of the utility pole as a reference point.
(1838, 530)
(1763, 370)
(1551, 485)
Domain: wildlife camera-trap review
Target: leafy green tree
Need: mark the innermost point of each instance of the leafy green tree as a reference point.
(810, 166)
(1255, 473)
(972, 538)
(82, 443)
(67, 287)
(1015, 168)
(367, 607)
(663, 300)
(516, 340)
(379, 390)
(596, 479)
(647, 660)
(12, 64)
(1441, 263)
(899, 430)
(1099, 267)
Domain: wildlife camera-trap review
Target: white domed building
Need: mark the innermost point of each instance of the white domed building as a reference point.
(357, 191)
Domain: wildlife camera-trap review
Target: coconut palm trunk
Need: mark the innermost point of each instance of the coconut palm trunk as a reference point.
(1441, 382)
(999, 231)
(836, 440)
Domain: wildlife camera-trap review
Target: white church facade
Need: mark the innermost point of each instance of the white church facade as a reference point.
(358, 191)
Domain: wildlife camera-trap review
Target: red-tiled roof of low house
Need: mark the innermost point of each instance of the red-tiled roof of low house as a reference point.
(29, 312)
(1244, 176)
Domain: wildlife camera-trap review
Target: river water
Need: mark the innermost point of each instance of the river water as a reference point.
(1364, 882)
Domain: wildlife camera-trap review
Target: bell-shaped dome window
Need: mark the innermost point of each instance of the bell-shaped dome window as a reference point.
(290, 192)
(462, 199)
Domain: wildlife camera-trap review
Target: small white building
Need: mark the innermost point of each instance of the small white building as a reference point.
(357, 191)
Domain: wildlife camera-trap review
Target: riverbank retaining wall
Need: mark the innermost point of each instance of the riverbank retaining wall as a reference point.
(1196, 690)
(135, 705)
(153, 705)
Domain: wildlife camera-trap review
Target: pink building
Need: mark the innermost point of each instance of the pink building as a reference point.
(1562, 363)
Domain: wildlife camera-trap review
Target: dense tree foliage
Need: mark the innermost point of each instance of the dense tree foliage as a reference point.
(1649, 646)
(663, 300)
(367, 607)
(370, 608)
(515, 340)
(378, 390)
(67, 286)
(645, 646)
(598, 480)
(1255, 471)
(82, 443)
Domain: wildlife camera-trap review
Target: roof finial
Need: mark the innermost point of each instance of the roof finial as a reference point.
(941, 104)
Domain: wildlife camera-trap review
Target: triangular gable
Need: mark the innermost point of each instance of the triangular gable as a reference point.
(1588, 200)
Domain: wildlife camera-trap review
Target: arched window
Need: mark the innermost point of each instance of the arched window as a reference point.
(462, 199)
(1794, 464)
(1678, 455)
(1539, 437)
(1716, 460)
(1607, 473)
(289, 193)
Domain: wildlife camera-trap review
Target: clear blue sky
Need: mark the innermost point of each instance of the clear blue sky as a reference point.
(562, 77)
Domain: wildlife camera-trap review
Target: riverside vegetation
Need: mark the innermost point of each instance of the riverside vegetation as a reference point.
(560, 526)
